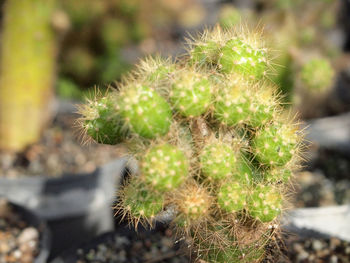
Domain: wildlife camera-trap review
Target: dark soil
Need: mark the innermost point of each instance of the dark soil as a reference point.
(60, 151)
(19, 242)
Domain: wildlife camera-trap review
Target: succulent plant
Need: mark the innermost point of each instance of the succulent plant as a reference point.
(229, 16)
(317, 75)
(213, 145)
(27, 71)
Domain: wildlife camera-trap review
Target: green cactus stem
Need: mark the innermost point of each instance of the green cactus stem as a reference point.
(191, 94)
(277, 175)
(102, 122)
(165, 167)
(265, 203)
(276, 144)
(232, 106)
(218, 161)
(155, 69)
(206, 52)
(236, 254)
(149, 202)
(232, 197)
(146, 112)
(237, 56)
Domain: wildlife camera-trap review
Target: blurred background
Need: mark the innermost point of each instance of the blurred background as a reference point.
(54, 54)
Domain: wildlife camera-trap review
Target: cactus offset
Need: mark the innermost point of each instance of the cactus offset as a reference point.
(212, 144)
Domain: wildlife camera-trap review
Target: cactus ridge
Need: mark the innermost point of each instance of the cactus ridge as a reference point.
(213, 144)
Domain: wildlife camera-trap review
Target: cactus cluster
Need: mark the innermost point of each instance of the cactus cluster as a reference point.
(212, 143)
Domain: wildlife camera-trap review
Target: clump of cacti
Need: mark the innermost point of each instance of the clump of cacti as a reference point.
(213, 146)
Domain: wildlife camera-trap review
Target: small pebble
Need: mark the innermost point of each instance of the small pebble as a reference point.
(334, 242)
(27, 235)
(317, 245)
(302, 255)
(334, 259)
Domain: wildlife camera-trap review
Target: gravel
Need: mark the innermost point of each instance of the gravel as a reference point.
(319, 250)
(19, 242)
(144, 246)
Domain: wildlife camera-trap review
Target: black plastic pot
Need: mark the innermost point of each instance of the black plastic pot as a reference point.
(123, 231)
(34, 220)
(77, 207)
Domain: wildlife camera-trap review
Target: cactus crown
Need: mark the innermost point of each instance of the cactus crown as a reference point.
(211, 140)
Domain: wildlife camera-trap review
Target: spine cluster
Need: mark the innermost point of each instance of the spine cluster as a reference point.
(212, 143)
